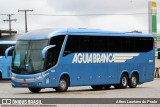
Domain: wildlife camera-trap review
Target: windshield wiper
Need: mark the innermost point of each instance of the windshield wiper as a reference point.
(25, 59)
(30, 62)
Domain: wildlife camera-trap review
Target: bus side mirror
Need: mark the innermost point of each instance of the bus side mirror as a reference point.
(8, 49)
(45, 49)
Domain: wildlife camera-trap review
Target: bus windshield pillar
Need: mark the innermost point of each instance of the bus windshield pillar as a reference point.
(45, 49)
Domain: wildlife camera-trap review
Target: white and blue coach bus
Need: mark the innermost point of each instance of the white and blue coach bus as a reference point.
(5, 62)
(59, 58)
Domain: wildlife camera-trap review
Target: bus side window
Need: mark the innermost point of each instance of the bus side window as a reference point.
(86, 44)
(114, 44)
(72, 45)
(79, 44)
(53, 53)
(143, 44)
(100, 44)
(51, 60)
(3, 48)
(1, 52)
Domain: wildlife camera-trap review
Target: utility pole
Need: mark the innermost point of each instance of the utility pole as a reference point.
(9, 20)
(25, 11)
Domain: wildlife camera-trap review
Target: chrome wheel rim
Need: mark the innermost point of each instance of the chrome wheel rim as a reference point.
(134, 80)
(124, 81)
(63, 84)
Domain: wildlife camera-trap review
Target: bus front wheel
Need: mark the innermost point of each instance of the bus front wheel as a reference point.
(123, 82)
(63, 85)
(35, 90)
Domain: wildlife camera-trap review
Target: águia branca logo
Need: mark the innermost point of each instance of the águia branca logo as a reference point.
(102, 57)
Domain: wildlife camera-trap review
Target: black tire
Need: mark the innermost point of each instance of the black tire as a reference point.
(97, 87)
(63, 85)
(133, 81)
(123, 82)
(107, 86)
(0, 76)
(116, 86)
(35, 90)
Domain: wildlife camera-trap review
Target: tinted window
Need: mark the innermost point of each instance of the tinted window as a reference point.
(79, 44)
(72, 45)
(108, 44)
(100, 44)
(3, 48)
(53, 53)
(127, 44)
(86, 44)
(114, 44)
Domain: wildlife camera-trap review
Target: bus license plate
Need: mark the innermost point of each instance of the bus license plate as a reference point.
(24, 84)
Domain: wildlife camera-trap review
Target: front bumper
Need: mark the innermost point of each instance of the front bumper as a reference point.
(36, 80)
(25, 83)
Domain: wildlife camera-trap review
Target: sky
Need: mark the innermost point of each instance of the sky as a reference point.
(112, 15)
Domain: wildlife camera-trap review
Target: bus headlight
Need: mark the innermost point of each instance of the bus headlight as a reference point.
(38, 77)
(45, 75)
(42, 76)
(13, 76)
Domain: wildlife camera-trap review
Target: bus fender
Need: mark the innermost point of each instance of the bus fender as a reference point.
(126, 72)
(134, 71)
(63, 73)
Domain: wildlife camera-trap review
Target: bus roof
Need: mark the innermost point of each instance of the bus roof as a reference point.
(48, 33)
(7, 42)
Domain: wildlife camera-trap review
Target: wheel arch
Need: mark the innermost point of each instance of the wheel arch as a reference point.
(123, 72)
(65, 74)
(121, 84)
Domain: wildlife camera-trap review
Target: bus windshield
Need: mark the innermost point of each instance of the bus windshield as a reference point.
(27, 57)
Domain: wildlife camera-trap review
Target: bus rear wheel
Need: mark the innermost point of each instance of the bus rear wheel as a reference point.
(123, 82)
(97, 87)
(63, 85)
(35, 90)
(0, 76)
(133, 81)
